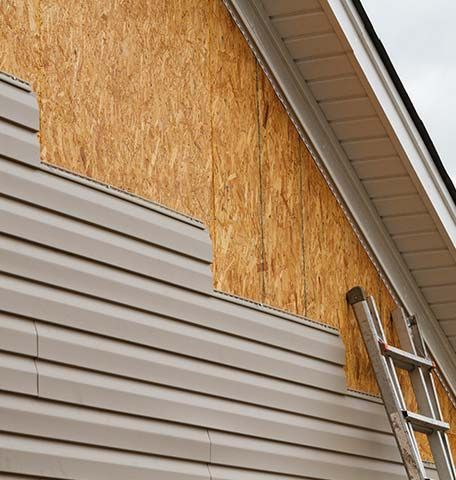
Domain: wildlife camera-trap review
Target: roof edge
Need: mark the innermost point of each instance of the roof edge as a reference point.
(412, 147)
(383, 54)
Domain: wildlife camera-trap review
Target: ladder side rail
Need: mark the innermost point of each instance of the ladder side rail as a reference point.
(428, 378)
(389, 361)
(393, 373)
(376, 318)
(440, 447)
(417, 377)
(405, 440)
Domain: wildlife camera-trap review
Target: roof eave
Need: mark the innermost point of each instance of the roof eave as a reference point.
(419, 151)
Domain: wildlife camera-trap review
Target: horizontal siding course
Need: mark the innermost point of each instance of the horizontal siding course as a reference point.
(72, 198)
(47, 458)
(53, 420)
(151, 365)
(18, 144)
(19, 123)
(156, 401)
(19, 107)
(18, 335)
(18, 374)
(260, 454)
(88, 241)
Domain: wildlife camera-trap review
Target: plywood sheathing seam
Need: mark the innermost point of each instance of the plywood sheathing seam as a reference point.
(283, 275)
(263, 261)
(309, 146)
(237, 224)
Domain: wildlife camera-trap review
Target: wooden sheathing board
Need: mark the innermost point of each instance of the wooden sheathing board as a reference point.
(448, 407)
(165, 100)
(126, 100)
(20, 38)
(236, 230)
(281, 213)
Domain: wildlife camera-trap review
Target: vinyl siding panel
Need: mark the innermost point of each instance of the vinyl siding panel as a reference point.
(294, 460)
(18, 374)
(18, 335)
(32, 456)
(73, 423)
(18, 124)
(119, 361)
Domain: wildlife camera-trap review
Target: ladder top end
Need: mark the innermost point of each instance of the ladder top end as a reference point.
(355, 295)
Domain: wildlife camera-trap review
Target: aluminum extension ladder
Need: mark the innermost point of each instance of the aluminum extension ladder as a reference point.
(385, 359)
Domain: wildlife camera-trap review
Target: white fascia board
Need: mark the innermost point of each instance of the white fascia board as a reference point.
(324, 146)
(416, 155)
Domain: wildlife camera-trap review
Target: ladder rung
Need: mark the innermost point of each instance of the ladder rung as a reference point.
(425, 424)
(403, 359)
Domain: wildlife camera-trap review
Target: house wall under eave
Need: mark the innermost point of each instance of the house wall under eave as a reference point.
(165, 100)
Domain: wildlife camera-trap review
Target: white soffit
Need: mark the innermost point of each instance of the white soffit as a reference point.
(342, 99)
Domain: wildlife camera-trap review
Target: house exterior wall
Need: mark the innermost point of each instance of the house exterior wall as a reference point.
(118, 360)
(200, 130)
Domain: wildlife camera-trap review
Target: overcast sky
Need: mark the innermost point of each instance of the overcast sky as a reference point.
(420, 38)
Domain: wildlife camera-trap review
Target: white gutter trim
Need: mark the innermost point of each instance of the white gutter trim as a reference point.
(309, 120)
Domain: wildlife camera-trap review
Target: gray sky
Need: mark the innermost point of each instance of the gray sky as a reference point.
(420, 38)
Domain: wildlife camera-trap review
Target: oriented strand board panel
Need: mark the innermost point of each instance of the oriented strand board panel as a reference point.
(359, 270)
(236, 229)
(448, 407)
(334, 262)
(126, 96)
(324, 237)
(20, 53)
(283, 270)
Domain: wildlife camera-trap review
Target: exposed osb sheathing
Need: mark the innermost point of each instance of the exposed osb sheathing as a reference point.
(448, 407)
(165, 100)
(126, 96)
(281, 177)
(20, 52)
(236, 231)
